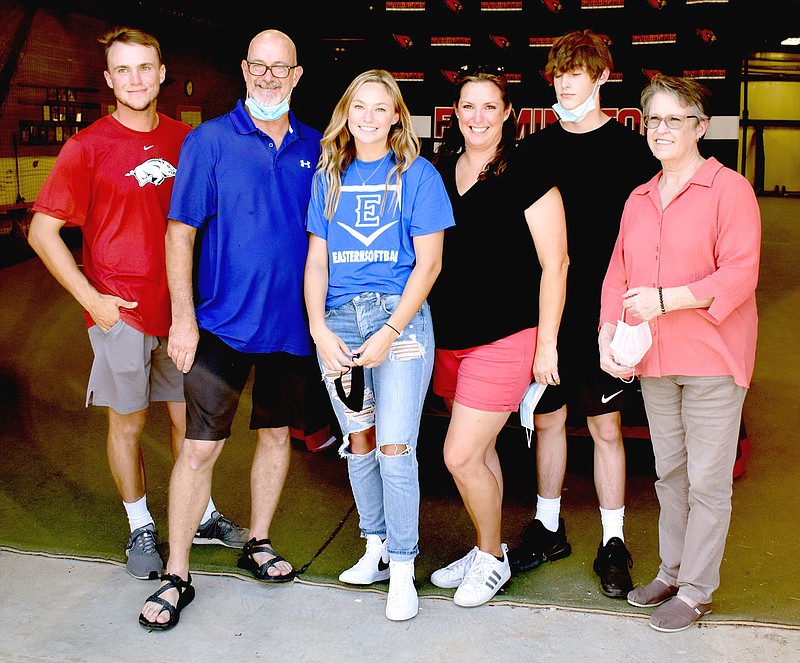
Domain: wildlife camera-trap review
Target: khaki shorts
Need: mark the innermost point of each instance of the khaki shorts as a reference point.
(131, 370)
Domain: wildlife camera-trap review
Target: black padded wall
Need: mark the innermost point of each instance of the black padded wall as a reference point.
(423, 43)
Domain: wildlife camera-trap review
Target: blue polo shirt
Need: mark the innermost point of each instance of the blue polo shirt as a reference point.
(248, 200)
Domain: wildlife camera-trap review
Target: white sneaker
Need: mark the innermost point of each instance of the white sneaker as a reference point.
(452, 574)
(373, 565)
(486, 576)
(402, 602)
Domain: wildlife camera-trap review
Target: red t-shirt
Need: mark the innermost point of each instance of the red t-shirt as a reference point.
(116, 183)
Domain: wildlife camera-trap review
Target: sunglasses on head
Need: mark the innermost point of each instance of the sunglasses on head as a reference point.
(475, 69)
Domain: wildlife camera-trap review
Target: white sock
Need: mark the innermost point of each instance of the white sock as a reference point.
(138, 513)
(612, 520)
(210, 508)
(548, 510)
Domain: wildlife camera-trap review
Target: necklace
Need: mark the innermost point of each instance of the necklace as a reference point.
(377, 168)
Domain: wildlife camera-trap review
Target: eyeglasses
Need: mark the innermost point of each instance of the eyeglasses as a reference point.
(474, 69)
(672, 121)
(278, 70)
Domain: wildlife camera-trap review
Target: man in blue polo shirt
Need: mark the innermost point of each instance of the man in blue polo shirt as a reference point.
(242, 189)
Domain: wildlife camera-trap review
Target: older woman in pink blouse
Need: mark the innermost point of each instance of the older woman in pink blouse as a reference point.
(686, 264)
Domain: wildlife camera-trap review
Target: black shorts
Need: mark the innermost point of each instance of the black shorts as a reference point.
(213, 386)
(587, 391)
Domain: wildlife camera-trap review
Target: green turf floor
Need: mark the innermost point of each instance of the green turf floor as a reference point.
(57, 496)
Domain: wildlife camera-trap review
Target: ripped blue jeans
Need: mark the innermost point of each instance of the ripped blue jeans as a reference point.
(385, 488)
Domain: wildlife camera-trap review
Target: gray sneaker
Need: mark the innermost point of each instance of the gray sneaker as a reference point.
(144, 562)
(220, 531)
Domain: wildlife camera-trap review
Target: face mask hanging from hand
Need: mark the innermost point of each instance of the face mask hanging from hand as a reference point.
(355, 399)
(527, 406)
(630, 343)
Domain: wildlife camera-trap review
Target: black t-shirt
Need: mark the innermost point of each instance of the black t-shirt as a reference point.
(489, 284)
(595, 173)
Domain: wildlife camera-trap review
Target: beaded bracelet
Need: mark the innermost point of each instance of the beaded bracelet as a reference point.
(661, 301)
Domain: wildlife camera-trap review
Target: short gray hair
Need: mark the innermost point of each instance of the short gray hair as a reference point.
(688, 91)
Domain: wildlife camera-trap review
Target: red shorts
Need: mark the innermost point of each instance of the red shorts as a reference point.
(491, 377)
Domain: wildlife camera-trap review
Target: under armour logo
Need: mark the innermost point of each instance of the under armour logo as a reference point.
(305, 164)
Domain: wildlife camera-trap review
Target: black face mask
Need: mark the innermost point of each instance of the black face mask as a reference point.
(354, 400)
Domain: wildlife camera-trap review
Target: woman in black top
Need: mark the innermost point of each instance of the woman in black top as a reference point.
(509, 241)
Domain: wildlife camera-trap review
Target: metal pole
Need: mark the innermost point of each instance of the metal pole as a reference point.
(20, 199)
(745, 112)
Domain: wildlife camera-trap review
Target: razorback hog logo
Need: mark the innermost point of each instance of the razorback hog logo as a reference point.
(404, 41)
(453, 5)
(500, 41)
(553, 6)
(706, 35)
(656, 4)
(152, 171)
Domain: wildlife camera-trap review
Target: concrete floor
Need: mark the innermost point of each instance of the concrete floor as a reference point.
(60, 609)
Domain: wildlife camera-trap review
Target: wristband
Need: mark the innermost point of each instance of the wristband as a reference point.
(661, 301)
(393, 329)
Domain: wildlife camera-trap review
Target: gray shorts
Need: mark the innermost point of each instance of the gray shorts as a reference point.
(131, 370)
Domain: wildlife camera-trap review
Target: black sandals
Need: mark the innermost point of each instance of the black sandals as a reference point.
(246, 561)
(185, 597)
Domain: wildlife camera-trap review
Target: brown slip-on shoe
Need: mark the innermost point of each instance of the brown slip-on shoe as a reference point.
(676, 615)
(652, 594)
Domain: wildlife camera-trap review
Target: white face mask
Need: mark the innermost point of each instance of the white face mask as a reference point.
(527, 405)
(580, 111)
(269, 113)
(631, 343)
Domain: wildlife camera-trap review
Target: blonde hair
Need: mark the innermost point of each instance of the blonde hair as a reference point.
(338, 144)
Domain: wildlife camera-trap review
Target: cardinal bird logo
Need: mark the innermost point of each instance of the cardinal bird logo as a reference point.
(553, 6)
(403, 41)
(450, 75)
(650, 73)
(706, 35)
(453, 5)
(656, 4)
(500, 41)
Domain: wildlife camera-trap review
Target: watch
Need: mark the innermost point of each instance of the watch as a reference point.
(188, 88)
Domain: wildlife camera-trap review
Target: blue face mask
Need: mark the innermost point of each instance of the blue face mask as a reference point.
(271, 112)
(580, 111)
